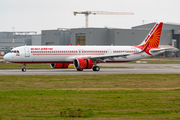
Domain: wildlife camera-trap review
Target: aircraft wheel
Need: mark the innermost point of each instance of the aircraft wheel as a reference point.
(24, 70)
(79, 69)
(96, 68)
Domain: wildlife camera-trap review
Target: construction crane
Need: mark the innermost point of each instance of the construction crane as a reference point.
(87, 13)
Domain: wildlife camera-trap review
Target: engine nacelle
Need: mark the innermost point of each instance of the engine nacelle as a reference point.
(81, 63)
(59, 65)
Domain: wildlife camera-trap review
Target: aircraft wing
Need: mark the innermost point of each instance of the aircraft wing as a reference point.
(106, 56)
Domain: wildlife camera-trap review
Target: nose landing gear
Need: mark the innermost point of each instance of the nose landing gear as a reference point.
(24, 67)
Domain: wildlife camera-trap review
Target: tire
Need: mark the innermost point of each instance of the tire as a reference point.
(96, 68)
(24, 70)
(79, 69)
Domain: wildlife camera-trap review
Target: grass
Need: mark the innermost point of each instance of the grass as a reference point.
(89, 97)
(70, 82)
(20, 66)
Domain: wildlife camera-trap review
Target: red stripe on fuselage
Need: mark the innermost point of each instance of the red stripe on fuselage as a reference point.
(70, 62)
(40, 62)
(68, 54)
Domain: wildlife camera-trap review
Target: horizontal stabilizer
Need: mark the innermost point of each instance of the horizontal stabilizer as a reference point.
(160, 50)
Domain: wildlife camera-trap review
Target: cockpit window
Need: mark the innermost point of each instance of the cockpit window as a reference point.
(14, 51)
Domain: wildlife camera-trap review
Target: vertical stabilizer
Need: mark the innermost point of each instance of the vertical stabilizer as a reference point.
(152, 40)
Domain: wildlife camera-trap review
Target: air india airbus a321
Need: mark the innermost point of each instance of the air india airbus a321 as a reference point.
(87, 57)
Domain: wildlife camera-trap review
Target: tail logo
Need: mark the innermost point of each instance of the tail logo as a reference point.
(152, 40)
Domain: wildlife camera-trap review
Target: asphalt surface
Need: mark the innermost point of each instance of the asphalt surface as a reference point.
(141, 66)
(89, 72)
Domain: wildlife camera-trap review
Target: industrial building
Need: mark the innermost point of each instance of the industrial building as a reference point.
(20, 39)
(170, 36)
(108, 36)
(56, 37)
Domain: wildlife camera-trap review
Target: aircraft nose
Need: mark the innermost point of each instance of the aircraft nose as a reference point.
(6, 57)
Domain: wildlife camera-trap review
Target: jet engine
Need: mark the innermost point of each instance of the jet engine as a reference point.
(81, 63)
(59, 65)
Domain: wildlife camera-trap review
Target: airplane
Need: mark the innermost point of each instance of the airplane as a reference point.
(87, 57)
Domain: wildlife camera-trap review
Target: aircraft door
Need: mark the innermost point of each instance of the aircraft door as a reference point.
(81, 52)
(109, 51)
(27, 53)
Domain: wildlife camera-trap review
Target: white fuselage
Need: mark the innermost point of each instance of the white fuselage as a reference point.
(66, 54)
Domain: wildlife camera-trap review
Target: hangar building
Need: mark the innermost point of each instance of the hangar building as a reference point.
(108, 36)
(20, 39)
(170, 36)
(56, 37)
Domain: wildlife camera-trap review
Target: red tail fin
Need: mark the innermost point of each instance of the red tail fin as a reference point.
(152, 39)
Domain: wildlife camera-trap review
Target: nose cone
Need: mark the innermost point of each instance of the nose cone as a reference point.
(6, 57)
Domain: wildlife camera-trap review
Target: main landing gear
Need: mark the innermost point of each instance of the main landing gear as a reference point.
(96, 68)
(79, 69)
(24, 67)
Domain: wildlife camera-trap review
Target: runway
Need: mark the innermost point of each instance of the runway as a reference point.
(88, 72)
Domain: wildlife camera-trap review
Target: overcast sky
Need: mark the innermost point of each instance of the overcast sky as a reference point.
(37, 15)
